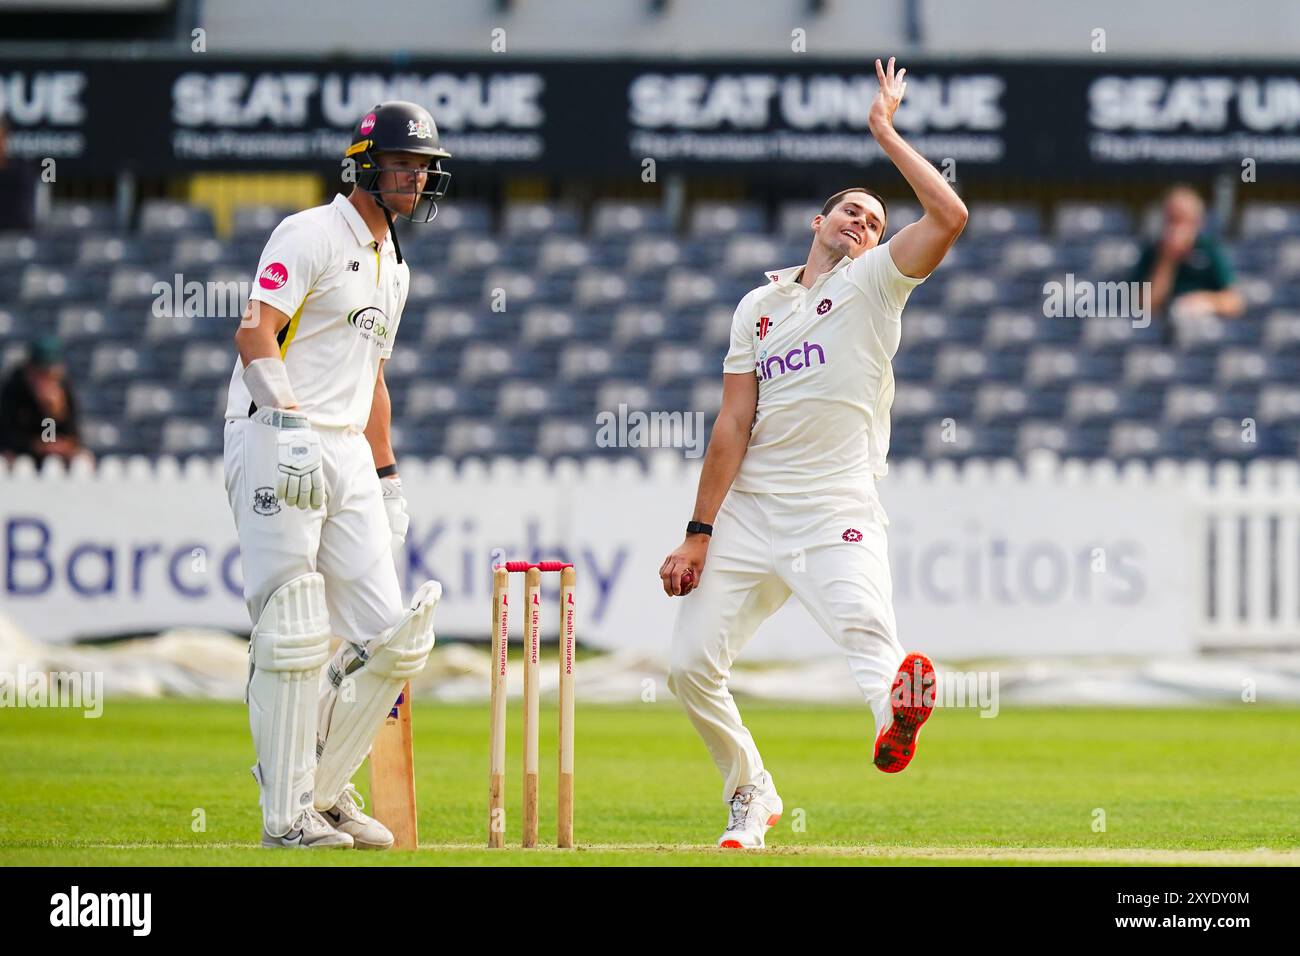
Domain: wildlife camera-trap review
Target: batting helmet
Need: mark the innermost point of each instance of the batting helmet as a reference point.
(399, 126)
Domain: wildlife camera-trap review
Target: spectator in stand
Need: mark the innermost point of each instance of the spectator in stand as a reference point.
(1188, 269)
(38, 416)
(17, 189)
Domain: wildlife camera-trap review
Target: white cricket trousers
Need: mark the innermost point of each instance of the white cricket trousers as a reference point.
(347, 540)
(830, 550)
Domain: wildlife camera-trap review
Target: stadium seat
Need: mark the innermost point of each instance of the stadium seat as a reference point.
(653, 254)
(612, 218)
(533, 220)
(79, 219)
(1075, 220)
(257, 221)
(993, 219)
(164, 217)
(713, 219)
(96, 323)
(1270, 219)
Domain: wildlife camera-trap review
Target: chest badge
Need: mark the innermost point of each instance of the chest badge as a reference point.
(763, 326)
(823, 306)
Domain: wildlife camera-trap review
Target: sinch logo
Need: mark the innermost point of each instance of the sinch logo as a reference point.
(75, 908)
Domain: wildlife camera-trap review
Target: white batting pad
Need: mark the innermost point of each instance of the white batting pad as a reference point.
(289, 646)
(362, 687)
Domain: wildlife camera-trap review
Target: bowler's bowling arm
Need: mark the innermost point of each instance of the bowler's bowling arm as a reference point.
(727, 444)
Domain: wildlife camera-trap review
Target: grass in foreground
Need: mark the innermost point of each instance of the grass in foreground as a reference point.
(1175, 786)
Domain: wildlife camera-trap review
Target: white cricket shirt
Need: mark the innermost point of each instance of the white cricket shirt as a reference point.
(344, 294)
(825, 382)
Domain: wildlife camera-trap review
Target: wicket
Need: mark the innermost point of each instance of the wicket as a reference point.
(532, 646)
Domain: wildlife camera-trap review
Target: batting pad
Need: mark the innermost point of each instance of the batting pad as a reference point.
(362, 687)
(289, 646)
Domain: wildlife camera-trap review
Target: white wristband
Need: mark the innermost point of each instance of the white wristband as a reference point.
(267, 381)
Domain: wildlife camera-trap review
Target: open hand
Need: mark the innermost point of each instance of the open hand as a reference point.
(892, 88)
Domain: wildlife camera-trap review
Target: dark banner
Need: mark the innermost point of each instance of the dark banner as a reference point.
(1040, 120)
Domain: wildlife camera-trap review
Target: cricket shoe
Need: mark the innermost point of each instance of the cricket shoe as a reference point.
(345, 816)
(754, 811)
(310, 831)
(912, 699)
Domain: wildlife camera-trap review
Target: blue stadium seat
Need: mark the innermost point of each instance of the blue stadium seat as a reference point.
(205, 364)
(564, 254)
(794, 220)
(182, 437)
(1145, 441)
(468, 216)
(1097, 402)
(533, 220)
(561, 437)
(672, 363)
(995, 218)
(1075, 220)
(712, 219)
(599, 288)
(961, 364)
(960, 440)
(656, 254)
(110, 250)
(1066, 440)
(1025, 258)
(163, 217)
(161, 398)
(51, 283)
(615, 217)
(1264, 218)
(79, 219)
(686, 288)
(256, 222)
(439, 400)
(80, 321)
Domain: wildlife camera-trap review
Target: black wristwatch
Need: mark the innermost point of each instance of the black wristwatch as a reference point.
(699, 527)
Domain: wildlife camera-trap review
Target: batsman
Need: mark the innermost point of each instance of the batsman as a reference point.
(787, 493)
(312, 480)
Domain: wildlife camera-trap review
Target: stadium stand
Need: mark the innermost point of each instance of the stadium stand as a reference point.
(524, 322)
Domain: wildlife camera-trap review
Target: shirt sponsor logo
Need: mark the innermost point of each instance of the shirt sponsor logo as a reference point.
(370, 322)
(273, 276)
(762, 326)
(823, 306)
(798, 358)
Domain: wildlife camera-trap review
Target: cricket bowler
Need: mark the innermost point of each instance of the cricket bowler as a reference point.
(787, 499)
(312, 481)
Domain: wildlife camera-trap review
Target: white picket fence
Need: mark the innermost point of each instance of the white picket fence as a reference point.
(1245, 553)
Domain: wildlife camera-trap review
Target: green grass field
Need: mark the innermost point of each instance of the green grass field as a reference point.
(1216, 786)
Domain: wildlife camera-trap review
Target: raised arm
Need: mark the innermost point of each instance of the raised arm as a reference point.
(919, 247)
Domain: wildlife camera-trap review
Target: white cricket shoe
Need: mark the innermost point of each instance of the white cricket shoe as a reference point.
(345, 816)
(310, 831)
(754, 811)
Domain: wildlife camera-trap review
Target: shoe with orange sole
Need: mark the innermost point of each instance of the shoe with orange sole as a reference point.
(753, 811)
